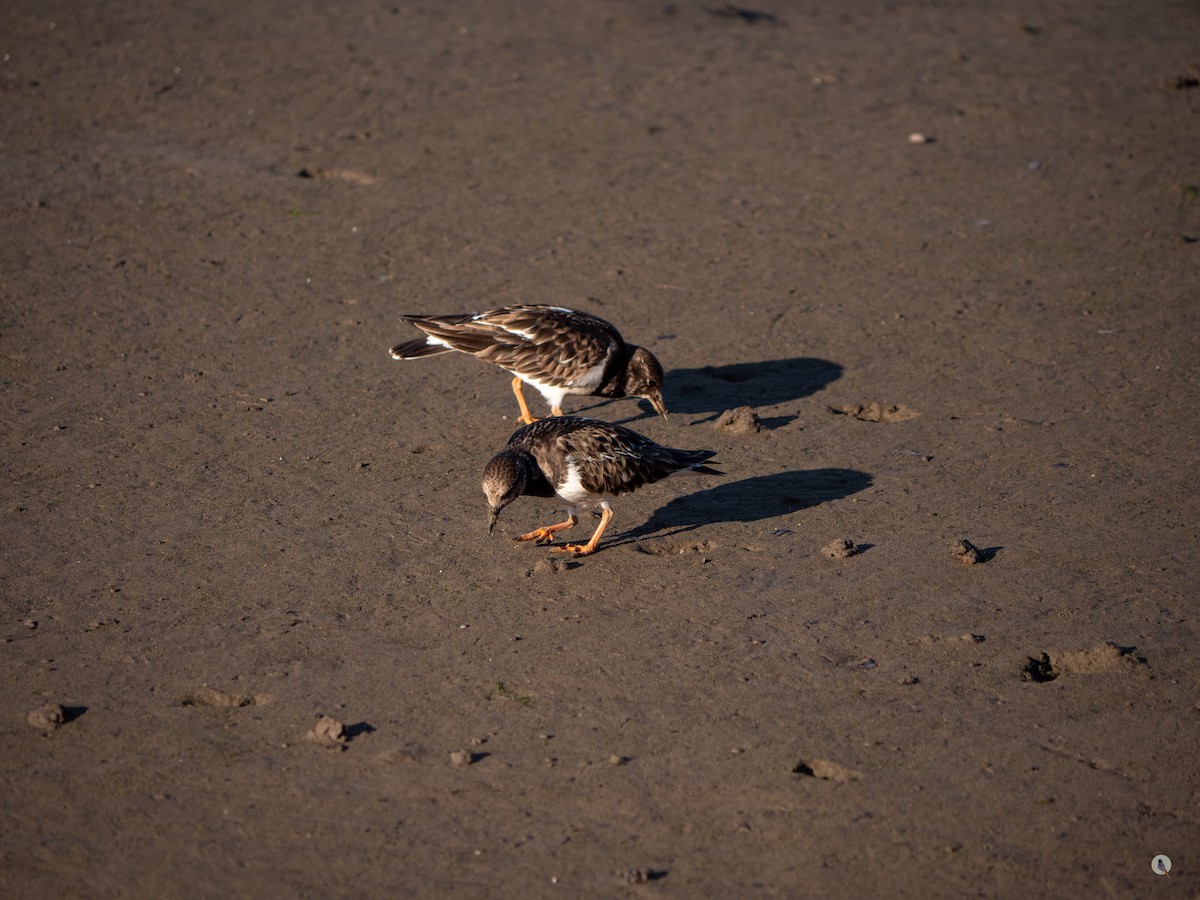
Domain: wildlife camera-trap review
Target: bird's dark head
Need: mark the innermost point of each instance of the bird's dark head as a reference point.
(644, 378)
(504, 481)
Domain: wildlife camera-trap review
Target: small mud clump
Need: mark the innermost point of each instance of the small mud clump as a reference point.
(328, 732)
(641, 876)
(742, 420)
(547, 567)
(1108, 657)
(1039, 670)
(48, 717)
(966, 552)
(207, 696)
(876, 412)
(825, 770)
(839, 549)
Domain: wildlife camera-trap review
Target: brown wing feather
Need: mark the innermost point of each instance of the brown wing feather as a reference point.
(520, 339)
(549, 344)
(457, 331)
(614, 460)
(611, 459)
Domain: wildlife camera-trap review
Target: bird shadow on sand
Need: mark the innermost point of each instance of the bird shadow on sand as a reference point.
(750, 500)
(710, 390)
(714, 389)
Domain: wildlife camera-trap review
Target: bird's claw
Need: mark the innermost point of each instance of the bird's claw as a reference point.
(538, 536)
(573, 549)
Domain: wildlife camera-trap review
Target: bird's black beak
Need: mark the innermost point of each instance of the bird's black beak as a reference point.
(656, 401)
(493, 515)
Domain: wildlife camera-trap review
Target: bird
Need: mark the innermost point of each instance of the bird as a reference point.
(580, 462)
(556, 350)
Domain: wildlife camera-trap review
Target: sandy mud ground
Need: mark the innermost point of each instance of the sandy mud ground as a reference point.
(948, 254)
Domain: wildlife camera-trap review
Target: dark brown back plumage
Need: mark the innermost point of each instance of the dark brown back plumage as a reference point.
(561, 351)
(611, 459)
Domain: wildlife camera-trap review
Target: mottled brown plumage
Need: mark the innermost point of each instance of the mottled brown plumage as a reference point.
(581, 462)
(555, 350)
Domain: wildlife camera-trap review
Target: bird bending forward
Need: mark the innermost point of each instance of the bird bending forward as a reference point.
(581, 462)
(555, 350)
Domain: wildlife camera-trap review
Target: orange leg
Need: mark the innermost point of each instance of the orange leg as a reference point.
(526, 417)
(545, 535)
(590, 546)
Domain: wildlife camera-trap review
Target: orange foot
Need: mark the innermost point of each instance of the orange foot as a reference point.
(545, 534)
(575, 549)
(538, 536)
(590, 547)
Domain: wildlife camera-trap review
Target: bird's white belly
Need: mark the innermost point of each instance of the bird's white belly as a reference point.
(553, 393)
(572, 490)
(583, 384)
(589, 380)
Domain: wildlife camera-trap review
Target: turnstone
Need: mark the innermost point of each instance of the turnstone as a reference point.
(581, 462)
(558, 351)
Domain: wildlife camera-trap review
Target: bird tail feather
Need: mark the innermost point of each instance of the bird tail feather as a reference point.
(418, 348)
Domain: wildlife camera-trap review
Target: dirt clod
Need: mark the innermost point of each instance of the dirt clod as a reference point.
(641, 876)
(876, 412)
(742, 420)
(547, 567)
(839, 549)
(47, 717)
(1039, 670)
(1108, 657)
(207, 696)
(966, 552)
(328, 731)
(825, 770)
